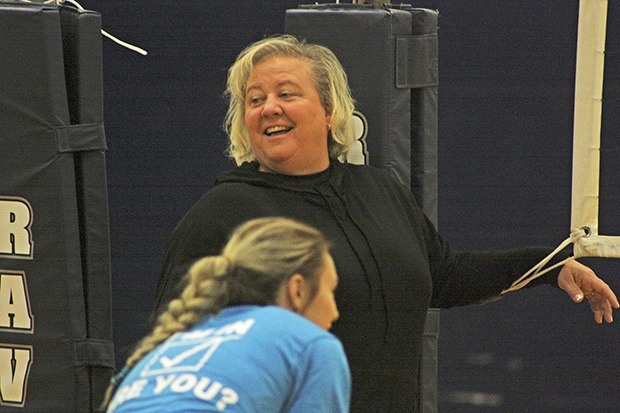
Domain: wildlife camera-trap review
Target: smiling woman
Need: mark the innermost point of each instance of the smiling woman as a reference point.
(285, 119)
(315, 70)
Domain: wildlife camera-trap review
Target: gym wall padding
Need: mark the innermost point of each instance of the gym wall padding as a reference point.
(56, 351)
(390, 55)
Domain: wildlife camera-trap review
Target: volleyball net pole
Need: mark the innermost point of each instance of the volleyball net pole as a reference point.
(589, 68)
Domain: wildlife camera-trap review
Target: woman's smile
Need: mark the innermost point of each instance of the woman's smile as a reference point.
(286, 122)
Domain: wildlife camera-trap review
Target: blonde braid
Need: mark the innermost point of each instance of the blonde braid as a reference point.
(205, 294)
(266, 252)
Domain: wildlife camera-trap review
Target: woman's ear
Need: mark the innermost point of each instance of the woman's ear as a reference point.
(328, 118)
(296, 292)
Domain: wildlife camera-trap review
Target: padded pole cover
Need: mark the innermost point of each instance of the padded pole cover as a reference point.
(56, 351)
(390, 56)
(364, 39)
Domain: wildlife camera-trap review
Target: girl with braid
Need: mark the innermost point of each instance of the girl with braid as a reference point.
(247, 334)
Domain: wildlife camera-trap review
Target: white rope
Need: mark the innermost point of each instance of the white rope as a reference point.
(103, 32)
(536, 271)
(125, 44)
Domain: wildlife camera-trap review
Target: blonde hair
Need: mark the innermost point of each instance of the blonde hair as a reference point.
(329, 78)
(259, 257)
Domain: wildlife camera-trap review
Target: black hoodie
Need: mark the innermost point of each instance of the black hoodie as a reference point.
(391, 262)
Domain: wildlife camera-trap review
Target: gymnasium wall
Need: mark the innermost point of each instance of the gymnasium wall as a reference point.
(505, 129)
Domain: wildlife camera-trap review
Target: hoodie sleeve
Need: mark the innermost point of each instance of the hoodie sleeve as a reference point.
(462, 278)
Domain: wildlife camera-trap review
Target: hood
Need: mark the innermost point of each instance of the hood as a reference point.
(248, 173)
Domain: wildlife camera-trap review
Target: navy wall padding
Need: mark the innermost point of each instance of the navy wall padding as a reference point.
(424, 171)
(424, 110)
(52, 161)
(391, 58)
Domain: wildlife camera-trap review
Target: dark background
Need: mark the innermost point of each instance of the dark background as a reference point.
(506, 87)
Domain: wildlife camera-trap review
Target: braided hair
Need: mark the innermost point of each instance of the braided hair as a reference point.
(259, 257)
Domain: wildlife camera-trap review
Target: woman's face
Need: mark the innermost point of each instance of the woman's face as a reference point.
(322, 309)
(285, 120)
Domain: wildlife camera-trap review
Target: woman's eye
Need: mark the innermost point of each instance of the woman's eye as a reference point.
(255, 100)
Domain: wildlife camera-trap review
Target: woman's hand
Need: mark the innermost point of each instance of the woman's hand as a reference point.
(580, 282)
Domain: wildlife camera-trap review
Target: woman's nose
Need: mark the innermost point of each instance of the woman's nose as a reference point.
(271, 107)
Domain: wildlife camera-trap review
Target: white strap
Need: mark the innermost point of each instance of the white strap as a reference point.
(106, 34)
(536, 271)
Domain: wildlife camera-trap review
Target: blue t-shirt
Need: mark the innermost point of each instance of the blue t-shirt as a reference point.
(245, 359)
